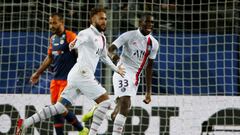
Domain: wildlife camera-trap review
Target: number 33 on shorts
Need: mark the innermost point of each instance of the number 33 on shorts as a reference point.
(123, 84)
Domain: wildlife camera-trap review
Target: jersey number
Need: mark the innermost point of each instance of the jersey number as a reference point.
(123, 83)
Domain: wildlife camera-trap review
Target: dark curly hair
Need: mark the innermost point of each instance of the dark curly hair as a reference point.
(96, 10)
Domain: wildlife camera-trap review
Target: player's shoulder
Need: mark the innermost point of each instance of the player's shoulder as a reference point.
(84, 32)
(68, 32)
(52, 36)
(154, 40)
(131, 32)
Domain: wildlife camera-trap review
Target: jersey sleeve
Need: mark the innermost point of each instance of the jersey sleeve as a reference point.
(121, 40)
(50, 46)
(70, 36)
(80, 39)
(154, 51)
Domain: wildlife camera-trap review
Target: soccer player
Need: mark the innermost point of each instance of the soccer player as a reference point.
(62, 61)
(91, 46)
(139, 51)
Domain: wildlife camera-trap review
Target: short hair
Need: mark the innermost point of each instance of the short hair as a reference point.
(96, 10)
(59, 15)
(144, 15)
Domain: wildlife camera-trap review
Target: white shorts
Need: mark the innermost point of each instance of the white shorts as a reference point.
(124, 86)
(82, 82)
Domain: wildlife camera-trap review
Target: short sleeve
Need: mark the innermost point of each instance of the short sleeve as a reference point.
(70, 36)
(80, 39)
(154, 51)
(50, 47)
(121, 40)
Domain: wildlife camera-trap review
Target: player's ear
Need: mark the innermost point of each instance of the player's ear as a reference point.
(93, 19)
(140, 23)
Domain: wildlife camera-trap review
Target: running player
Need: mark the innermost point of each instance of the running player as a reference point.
(91, 46)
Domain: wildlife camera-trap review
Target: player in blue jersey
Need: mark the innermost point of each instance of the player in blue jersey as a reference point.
(62, 60)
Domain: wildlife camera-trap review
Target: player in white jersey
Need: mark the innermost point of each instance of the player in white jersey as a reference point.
(91, 46)
(139, 51)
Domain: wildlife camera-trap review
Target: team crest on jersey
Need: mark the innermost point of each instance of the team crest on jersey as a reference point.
(61, 41)
(123, 89)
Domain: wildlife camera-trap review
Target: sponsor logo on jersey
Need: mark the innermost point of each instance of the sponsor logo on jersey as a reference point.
(56, 44)
(139, 54)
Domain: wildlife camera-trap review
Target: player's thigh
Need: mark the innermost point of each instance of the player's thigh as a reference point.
(124, 86)
(92, 89)
(62, 85)
(54, 91)
(70, 92)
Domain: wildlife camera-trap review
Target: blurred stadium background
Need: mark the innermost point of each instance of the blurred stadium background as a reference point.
(198, 54)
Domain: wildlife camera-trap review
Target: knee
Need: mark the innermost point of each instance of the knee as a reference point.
(60, 108)
(125, 104)
(102, 98)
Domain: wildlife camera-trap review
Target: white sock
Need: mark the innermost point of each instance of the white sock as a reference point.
(109, 114)
(99, 116)
(45, 113)
(118, 124)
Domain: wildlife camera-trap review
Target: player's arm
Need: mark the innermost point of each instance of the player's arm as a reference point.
(112, 53)
(45, 64)
(105, 58)
(148, 78)
(148, 70)
(78, 40)
(71, 38)
(120, 41)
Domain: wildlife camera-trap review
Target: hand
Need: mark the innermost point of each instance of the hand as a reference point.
(121, 70)
(147, 99)
(34, 78)
(72, 44)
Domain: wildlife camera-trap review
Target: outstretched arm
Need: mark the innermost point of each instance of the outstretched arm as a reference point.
(47, 61)
(148, 93)
(105, 58)
(120, 69)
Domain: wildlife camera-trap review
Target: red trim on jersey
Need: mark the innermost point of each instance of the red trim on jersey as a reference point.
(143, 61)
(58, 125)
(103, 39)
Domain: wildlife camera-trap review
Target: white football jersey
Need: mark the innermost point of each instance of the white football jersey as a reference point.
(91, 45)
(136, 49)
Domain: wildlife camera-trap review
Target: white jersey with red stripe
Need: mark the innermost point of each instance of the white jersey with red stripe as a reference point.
(136, 50)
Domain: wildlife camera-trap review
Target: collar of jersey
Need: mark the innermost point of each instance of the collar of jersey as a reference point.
(141, 35)
(95, 30)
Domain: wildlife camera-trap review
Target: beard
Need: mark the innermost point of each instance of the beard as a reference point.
(54, 30)
(100, 28)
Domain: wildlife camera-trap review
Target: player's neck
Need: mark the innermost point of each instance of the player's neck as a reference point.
(61, 31)
(143, 33)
